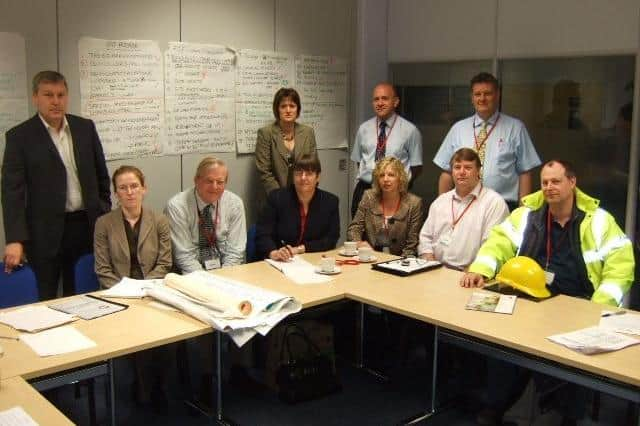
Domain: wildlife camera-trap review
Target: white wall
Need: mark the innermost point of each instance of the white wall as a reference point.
(297, 26)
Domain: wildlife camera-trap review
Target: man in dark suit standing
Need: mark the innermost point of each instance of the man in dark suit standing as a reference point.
(55, 184)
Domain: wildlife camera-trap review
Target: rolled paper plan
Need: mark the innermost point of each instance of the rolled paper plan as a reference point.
(198, 289)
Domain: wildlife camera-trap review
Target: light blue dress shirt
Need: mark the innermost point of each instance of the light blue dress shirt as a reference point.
(404, 143)
(509, 151)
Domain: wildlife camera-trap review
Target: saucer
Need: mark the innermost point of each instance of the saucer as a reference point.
(371, 260)
(337, 270)
(345, 254)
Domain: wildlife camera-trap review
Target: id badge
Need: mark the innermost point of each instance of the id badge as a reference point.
(212, 264)
(548, 277)
(445, 239)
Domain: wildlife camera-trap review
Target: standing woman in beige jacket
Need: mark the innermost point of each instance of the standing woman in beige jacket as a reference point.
(282, 143)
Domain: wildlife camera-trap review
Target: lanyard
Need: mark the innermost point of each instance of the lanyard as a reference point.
(475, 137)
(303, 223)
(455, 221)
(382, 144)
(560, 240)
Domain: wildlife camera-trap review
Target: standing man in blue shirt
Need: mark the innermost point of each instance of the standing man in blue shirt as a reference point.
(385, 135)
(502, 143)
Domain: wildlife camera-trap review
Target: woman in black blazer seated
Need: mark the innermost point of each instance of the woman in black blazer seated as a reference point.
(298, 218)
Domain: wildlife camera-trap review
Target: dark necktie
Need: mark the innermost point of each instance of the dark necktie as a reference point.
(381, 147)
(206, 232)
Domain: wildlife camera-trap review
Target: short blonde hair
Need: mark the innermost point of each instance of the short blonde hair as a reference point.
(397, 167)
(209, 162)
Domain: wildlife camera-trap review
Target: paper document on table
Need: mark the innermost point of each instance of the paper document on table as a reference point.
(626, 322)
(299, 271)
(491, 302)
(267, 307)
(34, 318)
(128, 288)
(16, 416)
(593, 340)
(57, 341)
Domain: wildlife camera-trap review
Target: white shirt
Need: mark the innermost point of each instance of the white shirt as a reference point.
(457, 245)
(64, 144)
(231, 229)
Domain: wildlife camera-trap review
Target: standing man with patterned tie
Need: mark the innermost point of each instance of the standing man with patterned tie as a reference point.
(502, 143)
(385, 135)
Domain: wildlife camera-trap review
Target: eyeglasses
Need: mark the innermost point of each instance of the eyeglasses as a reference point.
(126, 188)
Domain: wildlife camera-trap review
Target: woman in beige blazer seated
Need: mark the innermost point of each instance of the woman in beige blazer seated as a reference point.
(282, 143)
(134, 242)
(389, 218)
(131, 241)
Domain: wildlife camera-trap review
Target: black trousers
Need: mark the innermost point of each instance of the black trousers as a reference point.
(357, 195)
(77, 240)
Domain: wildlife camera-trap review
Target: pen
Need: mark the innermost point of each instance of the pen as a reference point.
(610, 314)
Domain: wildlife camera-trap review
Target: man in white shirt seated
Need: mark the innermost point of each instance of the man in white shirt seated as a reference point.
(459, 220)
(208, 228)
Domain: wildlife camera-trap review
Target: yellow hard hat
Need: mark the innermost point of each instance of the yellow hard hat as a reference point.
(524, 274)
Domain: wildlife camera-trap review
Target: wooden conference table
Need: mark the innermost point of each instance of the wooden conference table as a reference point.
(434, 297)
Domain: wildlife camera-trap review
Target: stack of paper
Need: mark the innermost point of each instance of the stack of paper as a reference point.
(57, 341)
(492, 302)
(621, 322)
(34, 318)
(299, 271)
(16, 416)
(130, 288)
(593, 340)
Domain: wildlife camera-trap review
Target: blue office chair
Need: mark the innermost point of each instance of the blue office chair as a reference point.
(85, 276)
(17, 288)
(251, 244)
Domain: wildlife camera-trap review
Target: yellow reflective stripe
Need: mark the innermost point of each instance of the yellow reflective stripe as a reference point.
(488, 261)
(612, 290)
(599, 255)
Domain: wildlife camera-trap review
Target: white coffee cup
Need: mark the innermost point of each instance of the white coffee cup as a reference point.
(365, 254)
(350, 247)
(328, 264)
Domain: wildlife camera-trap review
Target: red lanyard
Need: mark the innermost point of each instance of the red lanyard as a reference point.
(475, 137)
(386, 138)
(455, 221)
(560, 240)
(209, 235)
(303, 223)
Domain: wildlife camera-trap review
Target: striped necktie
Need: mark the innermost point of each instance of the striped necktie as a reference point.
(381, 147)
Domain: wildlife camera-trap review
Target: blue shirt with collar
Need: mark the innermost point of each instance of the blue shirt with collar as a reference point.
(509, 151)
(404, 142)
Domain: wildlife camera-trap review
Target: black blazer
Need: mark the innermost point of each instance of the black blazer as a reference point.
(280, 221)
(34, 183)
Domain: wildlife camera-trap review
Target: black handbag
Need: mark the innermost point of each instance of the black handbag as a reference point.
(307, 375)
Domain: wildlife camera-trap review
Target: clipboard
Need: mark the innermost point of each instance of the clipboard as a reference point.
(88, 307)
(406, 266)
